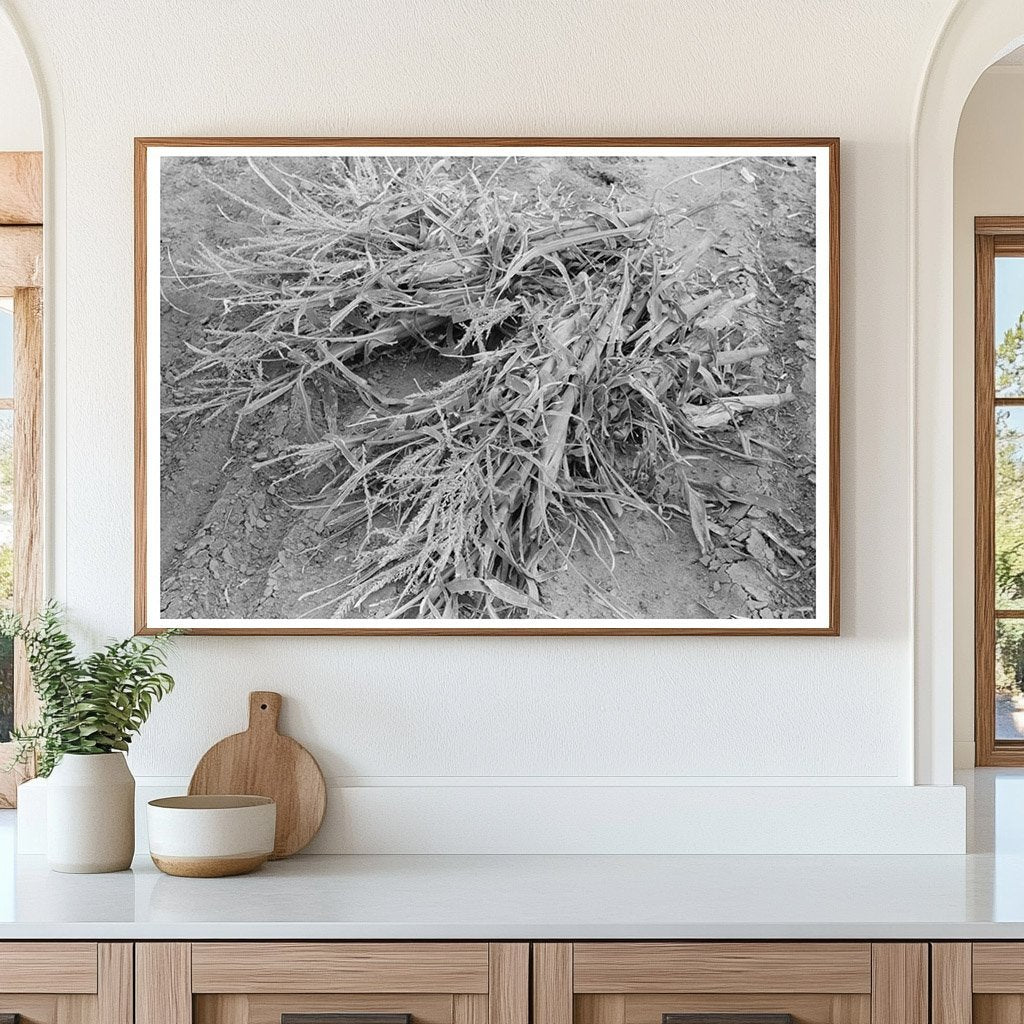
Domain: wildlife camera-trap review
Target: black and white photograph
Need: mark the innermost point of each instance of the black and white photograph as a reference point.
(469, 387)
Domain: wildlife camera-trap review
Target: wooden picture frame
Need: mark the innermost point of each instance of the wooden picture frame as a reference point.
(824, 617)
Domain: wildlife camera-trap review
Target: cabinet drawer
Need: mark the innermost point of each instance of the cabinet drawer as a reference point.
(332, 983)
(65, 967)
(340, 967)
(750, 967)
(730, 983)
(998, 967)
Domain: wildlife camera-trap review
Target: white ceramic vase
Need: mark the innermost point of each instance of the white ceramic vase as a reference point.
(90, 814)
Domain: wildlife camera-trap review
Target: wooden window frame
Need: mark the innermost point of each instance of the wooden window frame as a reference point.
(993, 237)
(21, 274)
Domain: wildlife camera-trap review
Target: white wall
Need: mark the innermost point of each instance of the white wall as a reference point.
(987, 181)
(20, 124)
(465, 711)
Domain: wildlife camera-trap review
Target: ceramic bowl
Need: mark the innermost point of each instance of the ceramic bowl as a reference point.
(211, 836)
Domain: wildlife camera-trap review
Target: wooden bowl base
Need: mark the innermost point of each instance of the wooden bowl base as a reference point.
(209, 867)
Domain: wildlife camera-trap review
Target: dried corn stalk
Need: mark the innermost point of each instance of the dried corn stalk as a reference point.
(591, 362)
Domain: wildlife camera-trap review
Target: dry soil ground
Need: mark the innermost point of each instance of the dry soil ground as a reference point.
(233, 546)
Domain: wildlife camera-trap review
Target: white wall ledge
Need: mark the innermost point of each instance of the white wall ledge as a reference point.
(619, 819)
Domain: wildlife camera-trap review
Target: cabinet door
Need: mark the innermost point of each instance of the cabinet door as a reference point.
(981, 982)
(65, 983)
(332, 983)
(730, 983)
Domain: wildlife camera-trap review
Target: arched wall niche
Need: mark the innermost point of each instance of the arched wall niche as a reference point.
(976, 33)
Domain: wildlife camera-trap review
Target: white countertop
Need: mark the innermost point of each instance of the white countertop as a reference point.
(496, 897)
(977, 896)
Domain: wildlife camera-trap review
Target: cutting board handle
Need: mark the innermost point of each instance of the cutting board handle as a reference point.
(264, 710)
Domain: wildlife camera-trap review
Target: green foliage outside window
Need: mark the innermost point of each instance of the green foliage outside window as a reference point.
(1009, 510)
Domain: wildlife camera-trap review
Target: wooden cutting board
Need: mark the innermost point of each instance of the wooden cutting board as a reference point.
(262, 762)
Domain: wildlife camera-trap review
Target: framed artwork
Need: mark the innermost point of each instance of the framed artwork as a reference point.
(497, 386)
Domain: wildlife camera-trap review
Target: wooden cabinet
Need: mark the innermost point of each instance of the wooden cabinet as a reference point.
(309, 982)
(752, 982)
(494, 983)
(66, 982)
(978, 983)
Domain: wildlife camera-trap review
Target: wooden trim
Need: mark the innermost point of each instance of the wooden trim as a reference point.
(469, 1008)
(143, 625)
(637, 967)
(21, 188)
(508, 987)
(899, 983)
(552, 983)
(141, 616)
(994, 236)
(28, 481)
(69, 968)
(232, 1009)
(999, 226)
(1008, 245)
(163, 983)
(984, 501)
(21, 258)
(219, 967)
(834, 390)
(1003, 754)
(998, 967)
(829, 142)
(28, 504)
(951, 983)
(75, 1010)
(115, 983)
(28, 555)
(603, 1009)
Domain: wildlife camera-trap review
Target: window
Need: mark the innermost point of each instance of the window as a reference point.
(6, 510)
(20, 492)
(999, 490)
(21, 253)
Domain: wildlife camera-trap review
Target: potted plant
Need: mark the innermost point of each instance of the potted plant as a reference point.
(89, 710)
